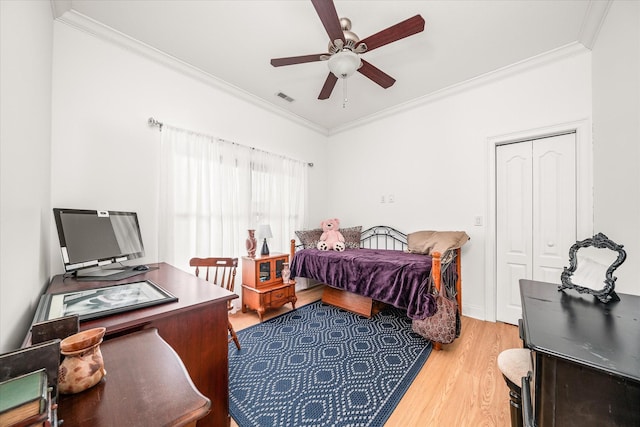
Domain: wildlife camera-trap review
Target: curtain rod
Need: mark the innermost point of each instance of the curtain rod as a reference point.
(154, 122)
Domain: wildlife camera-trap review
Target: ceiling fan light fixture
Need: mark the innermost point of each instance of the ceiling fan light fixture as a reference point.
(344, 63)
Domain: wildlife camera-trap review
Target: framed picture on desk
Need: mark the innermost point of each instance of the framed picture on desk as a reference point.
(103, 301)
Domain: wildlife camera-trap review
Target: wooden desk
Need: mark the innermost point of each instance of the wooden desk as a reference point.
(586, 356)
(195, 327)
(146, 384)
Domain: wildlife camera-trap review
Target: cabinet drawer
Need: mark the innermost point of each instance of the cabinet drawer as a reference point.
(279, 295)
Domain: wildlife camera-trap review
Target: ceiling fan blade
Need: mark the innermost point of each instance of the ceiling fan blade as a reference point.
(329, 84)
(292, 60)
(376, 75)
(399, 31)
(327, 12)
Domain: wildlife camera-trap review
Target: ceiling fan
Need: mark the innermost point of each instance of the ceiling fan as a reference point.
(345, 47)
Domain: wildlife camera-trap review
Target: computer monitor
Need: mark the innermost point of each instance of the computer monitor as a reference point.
(94, 243)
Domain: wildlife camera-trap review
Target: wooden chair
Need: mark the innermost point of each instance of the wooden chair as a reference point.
(221, 272)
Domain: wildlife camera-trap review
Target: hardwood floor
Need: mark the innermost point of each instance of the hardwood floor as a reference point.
(459, 386)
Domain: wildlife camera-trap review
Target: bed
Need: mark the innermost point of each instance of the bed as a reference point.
(378, 268)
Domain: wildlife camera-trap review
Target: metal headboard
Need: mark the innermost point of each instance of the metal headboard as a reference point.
(383, 237)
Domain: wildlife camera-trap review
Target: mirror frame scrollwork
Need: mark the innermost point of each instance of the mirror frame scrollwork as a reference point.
(607, 293)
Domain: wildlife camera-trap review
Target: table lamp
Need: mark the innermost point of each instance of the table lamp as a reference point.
(265, 233)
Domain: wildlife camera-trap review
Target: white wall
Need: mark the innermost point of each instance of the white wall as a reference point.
(25, 135)
(433, 157)
(105, 156)
(616, 136)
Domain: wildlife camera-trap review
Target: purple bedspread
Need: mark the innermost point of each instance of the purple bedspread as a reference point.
(393, 277)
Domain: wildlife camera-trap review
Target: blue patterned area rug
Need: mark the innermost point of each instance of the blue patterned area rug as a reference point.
(323, 366)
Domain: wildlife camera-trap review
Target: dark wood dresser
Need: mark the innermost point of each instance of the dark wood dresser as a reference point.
(586, 357)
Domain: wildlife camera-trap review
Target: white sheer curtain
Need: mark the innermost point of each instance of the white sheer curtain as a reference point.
(212, 191)
(278, 196)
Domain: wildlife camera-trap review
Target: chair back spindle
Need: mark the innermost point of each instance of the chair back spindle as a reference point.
(220, 272)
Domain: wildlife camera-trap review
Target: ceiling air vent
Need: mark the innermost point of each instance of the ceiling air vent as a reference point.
(284, 96)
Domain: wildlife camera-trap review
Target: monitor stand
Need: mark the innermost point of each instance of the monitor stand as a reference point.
(107, 274)
(100, 272)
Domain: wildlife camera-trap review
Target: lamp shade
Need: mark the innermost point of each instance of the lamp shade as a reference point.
(265, 231)
(344, 63)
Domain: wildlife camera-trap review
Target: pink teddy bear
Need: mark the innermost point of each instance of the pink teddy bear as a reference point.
(331, 237)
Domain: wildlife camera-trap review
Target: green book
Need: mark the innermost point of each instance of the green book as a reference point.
(23, 397)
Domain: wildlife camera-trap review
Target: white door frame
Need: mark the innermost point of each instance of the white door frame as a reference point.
(584, 194)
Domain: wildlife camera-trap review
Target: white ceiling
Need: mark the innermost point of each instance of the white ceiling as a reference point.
(233, 41)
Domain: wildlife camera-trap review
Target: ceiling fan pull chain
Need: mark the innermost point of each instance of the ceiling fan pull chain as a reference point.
(344, 93)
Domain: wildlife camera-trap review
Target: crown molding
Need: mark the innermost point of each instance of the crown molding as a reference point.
(566, 51)
(594, 18)
(59, 7)
(90, 26)
(592, 23)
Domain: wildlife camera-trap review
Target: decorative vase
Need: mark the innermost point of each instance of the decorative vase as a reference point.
(83, 366)
(252, 243)
(286, 273)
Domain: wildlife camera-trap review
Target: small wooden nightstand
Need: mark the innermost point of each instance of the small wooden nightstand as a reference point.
(262, 285)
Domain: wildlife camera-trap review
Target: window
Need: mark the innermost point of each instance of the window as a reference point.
(212, 191)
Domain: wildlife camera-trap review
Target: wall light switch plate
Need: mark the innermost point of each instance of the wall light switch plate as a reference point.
(477, 221)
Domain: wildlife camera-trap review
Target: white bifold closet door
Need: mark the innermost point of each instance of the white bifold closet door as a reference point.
(535, 216)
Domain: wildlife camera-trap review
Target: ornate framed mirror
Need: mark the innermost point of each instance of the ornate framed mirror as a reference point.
(591, 266)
